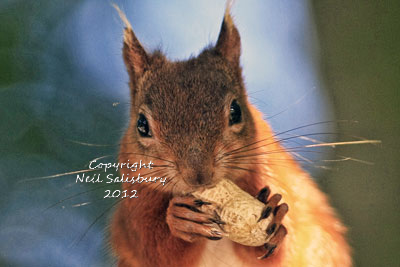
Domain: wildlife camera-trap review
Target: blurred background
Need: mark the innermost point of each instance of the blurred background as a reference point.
(64, 100)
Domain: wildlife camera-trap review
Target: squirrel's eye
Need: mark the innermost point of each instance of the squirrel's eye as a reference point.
(235, 115)
(143, 126)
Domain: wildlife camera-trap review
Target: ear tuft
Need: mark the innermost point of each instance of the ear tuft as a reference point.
(227, 15)
(228, 44)
(135, 57)
(122, 16)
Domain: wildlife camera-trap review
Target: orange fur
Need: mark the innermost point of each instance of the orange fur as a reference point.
(315, 236)
(140, 233)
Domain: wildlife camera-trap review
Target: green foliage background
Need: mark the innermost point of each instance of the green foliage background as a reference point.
(360, 57)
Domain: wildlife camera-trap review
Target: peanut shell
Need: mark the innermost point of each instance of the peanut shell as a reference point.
(240, 211)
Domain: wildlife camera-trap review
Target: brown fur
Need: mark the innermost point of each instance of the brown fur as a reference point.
(187, 106)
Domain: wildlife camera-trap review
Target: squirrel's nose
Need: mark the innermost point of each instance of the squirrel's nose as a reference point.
(198, 178)
(197, 169)
(203, 179)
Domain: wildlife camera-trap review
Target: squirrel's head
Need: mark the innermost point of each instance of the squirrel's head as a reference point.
(186, 115)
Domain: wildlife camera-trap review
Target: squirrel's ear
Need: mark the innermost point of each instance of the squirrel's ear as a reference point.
(228, 44)
(135, 57)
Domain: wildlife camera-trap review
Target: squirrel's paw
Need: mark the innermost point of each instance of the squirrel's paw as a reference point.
(275, 228)
(188, 222)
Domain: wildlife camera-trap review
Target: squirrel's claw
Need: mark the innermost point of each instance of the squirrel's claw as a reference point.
(187, 222)
(274, 243)
(263, 194)
(275, 228)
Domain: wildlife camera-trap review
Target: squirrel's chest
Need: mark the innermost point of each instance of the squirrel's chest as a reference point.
(220, 254)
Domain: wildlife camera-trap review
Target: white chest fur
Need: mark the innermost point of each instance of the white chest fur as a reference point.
(219, 254)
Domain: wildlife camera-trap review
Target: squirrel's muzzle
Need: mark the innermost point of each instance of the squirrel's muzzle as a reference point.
(197, 168)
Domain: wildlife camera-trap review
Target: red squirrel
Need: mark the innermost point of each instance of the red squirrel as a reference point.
(193, 120)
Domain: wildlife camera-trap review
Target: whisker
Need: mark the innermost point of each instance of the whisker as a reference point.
(255, 92)
(77, 241)
(170, 179)
(73, 196)
(81, 204)
(220, 150)
(345, 143)
(166, 166)
(55, 175)
(276, 152)
(88, 191)
(293, 104)
(301, 156)
(276, 141)
(155, 172)
(236, 168)
(152, 172)
(306, 138)
(63, 174)
(148, 192)
(99, 158)
(88, 144)
(343, 158)
(160, 184)
(258, 162)
(333, 144)
(150, 156)
(257, 100)
(284, 132)
(305, 159)
(273, 160)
